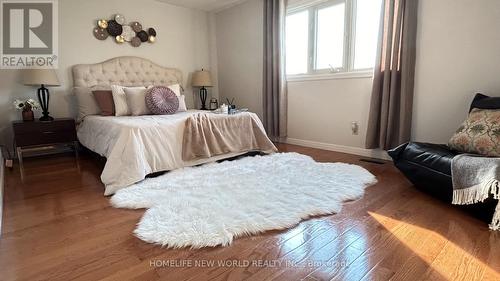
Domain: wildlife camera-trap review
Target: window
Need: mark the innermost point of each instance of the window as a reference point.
(296, 42)
(332, 37)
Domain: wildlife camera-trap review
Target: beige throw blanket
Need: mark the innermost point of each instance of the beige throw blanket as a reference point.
(207, 135)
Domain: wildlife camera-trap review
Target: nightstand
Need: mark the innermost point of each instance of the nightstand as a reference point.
(41, 136)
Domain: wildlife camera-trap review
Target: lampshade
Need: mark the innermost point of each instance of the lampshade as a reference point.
(202, 79)
(37, 77)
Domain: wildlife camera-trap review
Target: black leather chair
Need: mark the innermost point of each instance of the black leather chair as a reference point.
(428, 166)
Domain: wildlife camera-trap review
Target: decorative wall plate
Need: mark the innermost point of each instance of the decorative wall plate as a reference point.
(119, 39)
(120, 19)
(128, 33)
(114, 29)
(102, 24)
(136, 42)
(136, 26)
(143, 36)
(121, 32)
(100, 33)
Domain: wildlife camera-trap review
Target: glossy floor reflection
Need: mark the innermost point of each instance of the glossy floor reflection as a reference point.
(447, 259)
(59, 226)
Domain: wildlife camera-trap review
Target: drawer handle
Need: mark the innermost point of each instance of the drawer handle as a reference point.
(49, 132)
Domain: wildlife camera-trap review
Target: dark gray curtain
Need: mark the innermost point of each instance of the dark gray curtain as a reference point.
(390, 116)
(274, 80)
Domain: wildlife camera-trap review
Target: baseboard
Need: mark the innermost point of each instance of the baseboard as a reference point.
(372, 153)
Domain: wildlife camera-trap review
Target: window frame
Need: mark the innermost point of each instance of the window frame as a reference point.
(347, 70)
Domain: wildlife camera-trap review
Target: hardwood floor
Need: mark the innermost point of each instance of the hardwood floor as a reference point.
(59, 226)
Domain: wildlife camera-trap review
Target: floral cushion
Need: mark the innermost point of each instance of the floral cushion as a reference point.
(479, 134)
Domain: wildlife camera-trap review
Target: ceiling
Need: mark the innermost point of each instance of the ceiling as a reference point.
(206, 5)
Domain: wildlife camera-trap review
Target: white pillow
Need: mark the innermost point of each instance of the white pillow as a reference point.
(120, 99)
(86, 102)
(176, 88)
(182, 103)
(136, 101)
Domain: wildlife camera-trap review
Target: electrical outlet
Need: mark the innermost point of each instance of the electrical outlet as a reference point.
(355, 128)
(9, 163)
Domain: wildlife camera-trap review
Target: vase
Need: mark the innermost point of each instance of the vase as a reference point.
(28, 115)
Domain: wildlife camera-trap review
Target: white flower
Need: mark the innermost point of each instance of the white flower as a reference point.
(19, 104)
(26, 104)
(33, 103)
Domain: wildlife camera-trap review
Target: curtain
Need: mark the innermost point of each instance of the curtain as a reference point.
(274, 80)
(390, 114)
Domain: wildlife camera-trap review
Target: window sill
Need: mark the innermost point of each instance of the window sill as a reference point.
(329, 76)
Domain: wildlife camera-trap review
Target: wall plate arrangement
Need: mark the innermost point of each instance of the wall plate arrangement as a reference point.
(121, 32)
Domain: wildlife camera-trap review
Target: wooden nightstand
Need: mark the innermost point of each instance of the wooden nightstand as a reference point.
(36, 135)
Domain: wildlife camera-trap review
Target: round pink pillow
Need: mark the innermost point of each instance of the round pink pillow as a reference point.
(161, 100)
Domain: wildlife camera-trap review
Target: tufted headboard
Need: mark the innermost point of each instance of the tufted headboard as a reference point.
(125, 71)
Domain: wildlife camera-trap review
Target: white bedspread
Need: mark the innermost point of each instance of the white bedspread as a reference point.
(137, 146)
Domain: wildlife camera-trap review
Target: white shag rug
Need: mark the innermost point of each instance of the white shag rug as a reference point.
(212, 204)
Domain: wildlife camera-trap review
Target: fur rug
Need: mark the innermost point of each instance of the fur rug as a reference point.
(212, 204)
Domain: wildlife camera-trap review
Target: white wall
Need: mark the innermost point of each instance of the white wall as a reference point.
(214, 91)
(458, 53)
(322, 110)
(183, 42)
(240, 51)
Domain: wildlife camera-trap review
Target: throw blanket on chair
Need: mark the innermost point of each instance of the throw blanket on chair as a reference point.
(208, 135)
(475, 178)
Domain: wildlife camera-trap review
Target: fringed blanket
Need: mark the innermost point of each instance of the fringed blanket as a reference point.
(207, 135)
(475, 179)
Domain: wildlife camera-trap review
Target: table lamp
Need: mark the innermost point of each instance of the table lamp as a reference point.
(42, 77)
(202, 79)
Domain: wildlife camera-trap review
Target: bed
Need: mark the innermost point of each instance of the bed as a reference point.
(135, 146)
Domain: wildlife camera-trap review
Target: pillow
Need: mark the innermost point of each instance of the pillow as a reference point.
(182, 103)
(479, 134)
(176, 88)
(484, 102)
(162, 100)
(104, 100)
(120, 99)
(136, 101)
(87, 104)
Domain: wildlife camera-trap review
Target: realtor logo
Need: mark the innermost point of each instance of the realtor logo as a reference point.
(29, 34)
